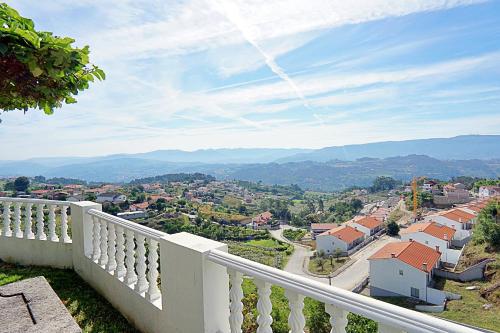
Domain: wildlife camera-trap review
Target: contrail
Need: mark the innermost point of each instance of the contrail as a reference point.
(230, 11)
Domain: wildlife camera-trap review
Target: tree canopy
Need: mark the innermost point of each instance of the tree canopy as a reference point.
(37, 69)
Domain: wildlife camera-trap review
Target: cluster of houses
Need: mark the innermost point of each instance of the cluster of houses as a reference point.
(346, 238)
(406, 268)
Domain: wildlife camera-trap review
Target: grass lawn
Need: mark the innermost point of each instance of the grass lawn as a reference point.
(324, 266)
(470, 309)
(271, 243)
(91, 311)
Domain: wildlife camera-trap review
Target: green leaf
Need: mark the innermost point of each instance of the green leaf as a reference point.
(47, 109)
(70, 100)
(37, 71)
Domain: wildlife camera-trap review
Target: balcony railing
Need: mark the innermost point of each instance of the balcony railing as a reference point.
(181, 282)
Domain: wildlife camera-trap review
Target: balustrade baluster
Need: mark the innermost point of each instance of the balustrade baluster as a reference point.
(52, 224)
(111, 264)
(17, 220)
(296, 319)
(153, 292)
(142, 283)
(64, 225)
(338, 318)
(120, 253)
(96, 238)
(264, 307)
(103, 259)
(130, 277)
(383, 328)
(28, 232)
(40, 232)
(235, 297)
(7, 232)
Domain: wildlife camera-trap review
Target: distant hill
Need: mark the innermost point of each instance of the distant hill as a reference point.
(456, 148)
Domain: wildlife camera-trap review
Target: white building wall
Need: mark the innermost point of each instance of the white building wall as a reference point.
(426, 240)
(445, 221)
(384, 274)
(329, 244)
(361, 228)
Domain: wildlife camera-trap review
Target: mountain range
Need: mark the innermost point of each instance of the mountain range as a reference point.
(330, 168)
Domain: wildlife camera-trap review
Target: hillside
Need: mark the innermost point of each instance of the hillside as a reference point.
(456, 148)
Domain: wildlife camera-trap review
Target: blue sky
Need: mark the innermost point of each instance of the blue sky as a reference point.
(267, 73)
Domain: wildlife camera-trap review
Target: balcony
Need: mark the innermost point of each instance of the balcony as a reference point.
(176, 283)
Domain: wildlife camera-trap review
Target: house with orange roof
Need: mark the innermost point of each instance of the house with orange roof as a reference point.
(457, 219)
(369, 225)
(405, 269)
(435, 235)
(319, 228)
(262, 221)
(341, 238)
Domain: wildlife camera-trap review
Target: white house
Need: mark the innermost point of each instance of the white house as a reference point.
(489, 191)
(457, 219)
(405, 269)
(434, 235)
(113, 197)
(368, 225)
(342, 238)
(138, 214)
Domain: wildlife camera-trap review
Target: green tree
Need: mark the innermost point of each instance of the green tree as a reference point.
(392, 228)
(21, 184)
(37, 69)
(488, 226)
(318, 320)
(383, 183)
(90, 196)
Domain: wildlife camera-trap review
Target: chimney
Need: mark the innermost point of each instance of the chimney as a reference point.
(437, 248)
(424, 266)
(393, 255)
(411, 239)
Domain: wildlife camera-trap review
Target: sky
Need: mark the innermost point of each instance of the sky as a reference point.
(266, 73)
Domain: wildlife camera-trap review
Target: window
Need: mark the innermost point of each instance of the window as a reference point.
(415, 292)
(426, 242)
(401, 272)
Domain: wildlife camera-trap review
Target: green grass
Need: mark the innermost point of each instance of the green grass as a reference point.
(470, 309)
(266, 251)
(294, 235)
(90, 310)
(270, 243)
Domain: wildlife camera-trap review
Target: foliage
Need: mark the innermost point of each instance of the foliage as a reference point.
(392, 228)
(174, 177)
(38, 69)
(21, 184)
(383, 183)
(111, 208)
(294, 234)
(65, 181)
(423, 199)
(293, 191)
(90, 310)
(488, 225)
(485, 182)
(343, 211)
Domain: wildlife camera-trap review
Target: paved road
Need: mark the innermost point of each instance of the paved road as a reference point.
(349, 278)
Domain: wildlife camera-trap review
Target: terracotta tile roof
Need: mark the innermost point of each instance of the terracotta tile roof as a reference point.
(345, 233)
(369, 222)
(458, 215)
(431, 228)
(142, 205)
(414, 254)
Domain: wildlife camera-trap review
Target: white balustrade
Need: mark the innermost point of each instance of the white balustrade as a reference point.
(64, 224)
(130, 277)
(142, 283)
(6, 231)
(235, 297)
(40, 232)
(28, 224)
(13, 225)
(96, 238)
(338, 318)
(52, 224)
(296, 319)
(120, 253)
(17, 220)
(103, 259)
(153, 292)
(264, 307)
(111, 264)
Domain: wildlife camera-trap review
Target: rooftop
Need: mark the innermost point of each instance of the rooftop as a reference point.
(346, 233)
(412, 253)
(369, 222)
(431, 228)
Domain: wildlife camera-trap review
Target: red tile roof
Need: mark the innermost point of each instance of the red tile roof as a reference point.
(414, 254)
(369, 222)
(323, 226)
(345, 233)
(458, 215)
(431, 228)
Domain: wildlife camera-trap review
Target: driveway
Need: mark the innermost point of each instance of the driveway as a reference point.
(347, 279)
